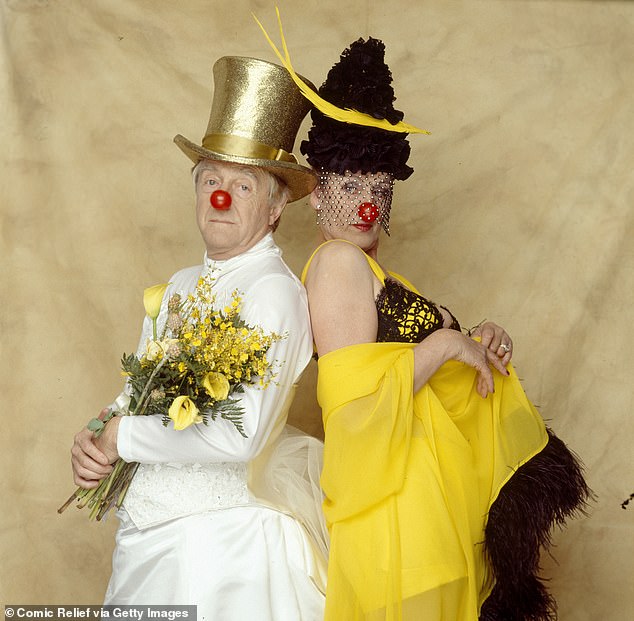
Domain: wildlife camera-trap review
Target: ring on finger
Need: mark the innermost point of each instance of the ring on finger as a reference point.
(505, 347)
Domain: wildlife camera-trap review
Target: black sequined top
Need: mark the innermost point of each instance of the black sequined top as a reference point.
(407, 317)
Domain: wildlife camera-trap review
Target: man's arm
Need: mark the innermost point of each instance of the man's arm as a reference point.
(277, 304)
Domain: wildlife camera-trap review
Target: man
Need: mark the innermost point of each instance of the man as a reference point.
(201, 523)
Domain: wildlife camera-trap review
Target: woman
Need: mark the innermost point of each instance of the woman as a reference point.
(441, 480)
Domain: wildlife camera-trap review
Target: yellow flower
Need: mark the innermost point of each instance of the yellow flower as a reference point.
(216, 385)
(154, 351)
(184, 413)
(152, 298)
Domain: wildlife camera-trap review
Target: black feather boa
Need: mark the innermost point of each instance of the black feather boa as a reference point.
(543, 493)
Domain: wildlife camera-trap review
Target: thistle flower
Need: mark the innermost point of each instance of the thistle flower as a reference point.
(157, 394)
(174, 322)
(174, 303)
(174, 350)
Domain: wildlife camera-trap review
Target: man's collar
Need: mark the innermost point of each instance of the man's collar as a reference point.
(264, 246)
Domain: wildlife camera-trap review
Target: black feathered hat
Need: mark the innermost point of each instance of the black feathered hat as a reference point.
(360, 81)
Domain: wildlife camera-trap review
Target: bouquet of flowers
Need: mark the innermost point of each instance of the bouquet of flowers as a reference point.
(188, 374)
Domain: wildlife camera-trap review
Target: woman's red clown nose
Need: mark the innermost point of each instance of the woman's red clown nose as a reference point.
(368, 212)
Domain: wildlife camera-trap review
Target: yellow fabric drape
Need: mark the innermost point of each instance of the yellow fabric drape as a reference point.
(409, 480)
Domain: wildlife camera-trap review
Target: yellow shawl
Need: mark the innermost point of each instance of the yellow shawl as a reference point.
(409, 480)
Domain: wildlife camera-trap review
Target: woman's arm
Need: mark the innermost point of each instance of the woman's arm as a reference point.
(341, 298)
(341, 292)
(446, 344)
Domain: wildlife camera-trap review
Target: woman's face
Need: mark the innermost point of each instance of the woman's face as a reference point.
(353, 206)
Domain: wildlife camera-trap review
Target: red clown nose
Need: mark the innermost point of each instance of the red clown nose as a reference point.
(368, 212)
(220, 200)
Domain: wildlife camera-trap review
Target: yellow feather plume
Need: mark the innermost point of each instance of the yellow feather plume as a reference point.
(345, 115)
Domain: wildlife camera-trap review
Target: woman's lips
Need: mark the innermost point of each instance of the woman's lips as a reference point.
(362, 226)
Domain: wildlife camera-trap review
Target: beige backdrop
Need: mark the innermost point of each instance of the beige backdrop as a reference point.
(520, 210)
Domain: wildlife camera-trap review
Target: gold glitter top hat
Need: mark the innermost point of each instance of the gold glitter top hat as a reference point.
(255, 115)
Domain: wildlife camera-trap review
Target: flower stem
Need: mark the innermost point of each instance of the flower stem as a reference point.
(140, 408)
(68, 503)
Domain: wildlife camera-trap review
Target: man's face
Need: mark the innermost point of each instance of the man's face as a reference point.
(228, 233)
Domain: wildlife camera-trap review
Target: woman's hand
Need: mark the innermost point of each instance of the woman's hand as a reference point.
(496, 339)
(446, 344)
(481, 357)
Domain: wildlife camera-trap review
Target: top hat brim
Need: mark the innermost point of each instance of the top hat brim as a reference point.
(299, 179)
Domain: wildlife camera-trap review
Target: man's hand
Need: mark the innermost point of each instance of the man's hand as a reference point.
(91, 457)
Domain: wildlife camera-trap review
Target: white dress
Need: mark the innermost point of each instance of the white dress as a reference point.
(232, 525)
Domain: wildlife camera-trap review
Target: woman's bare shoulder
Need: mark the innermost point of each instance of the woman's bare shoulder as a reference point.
(340, 287)
(338, 256)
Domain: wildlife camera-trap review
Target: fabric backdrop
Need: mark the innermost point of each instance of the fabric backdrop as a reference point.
(520, 211)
